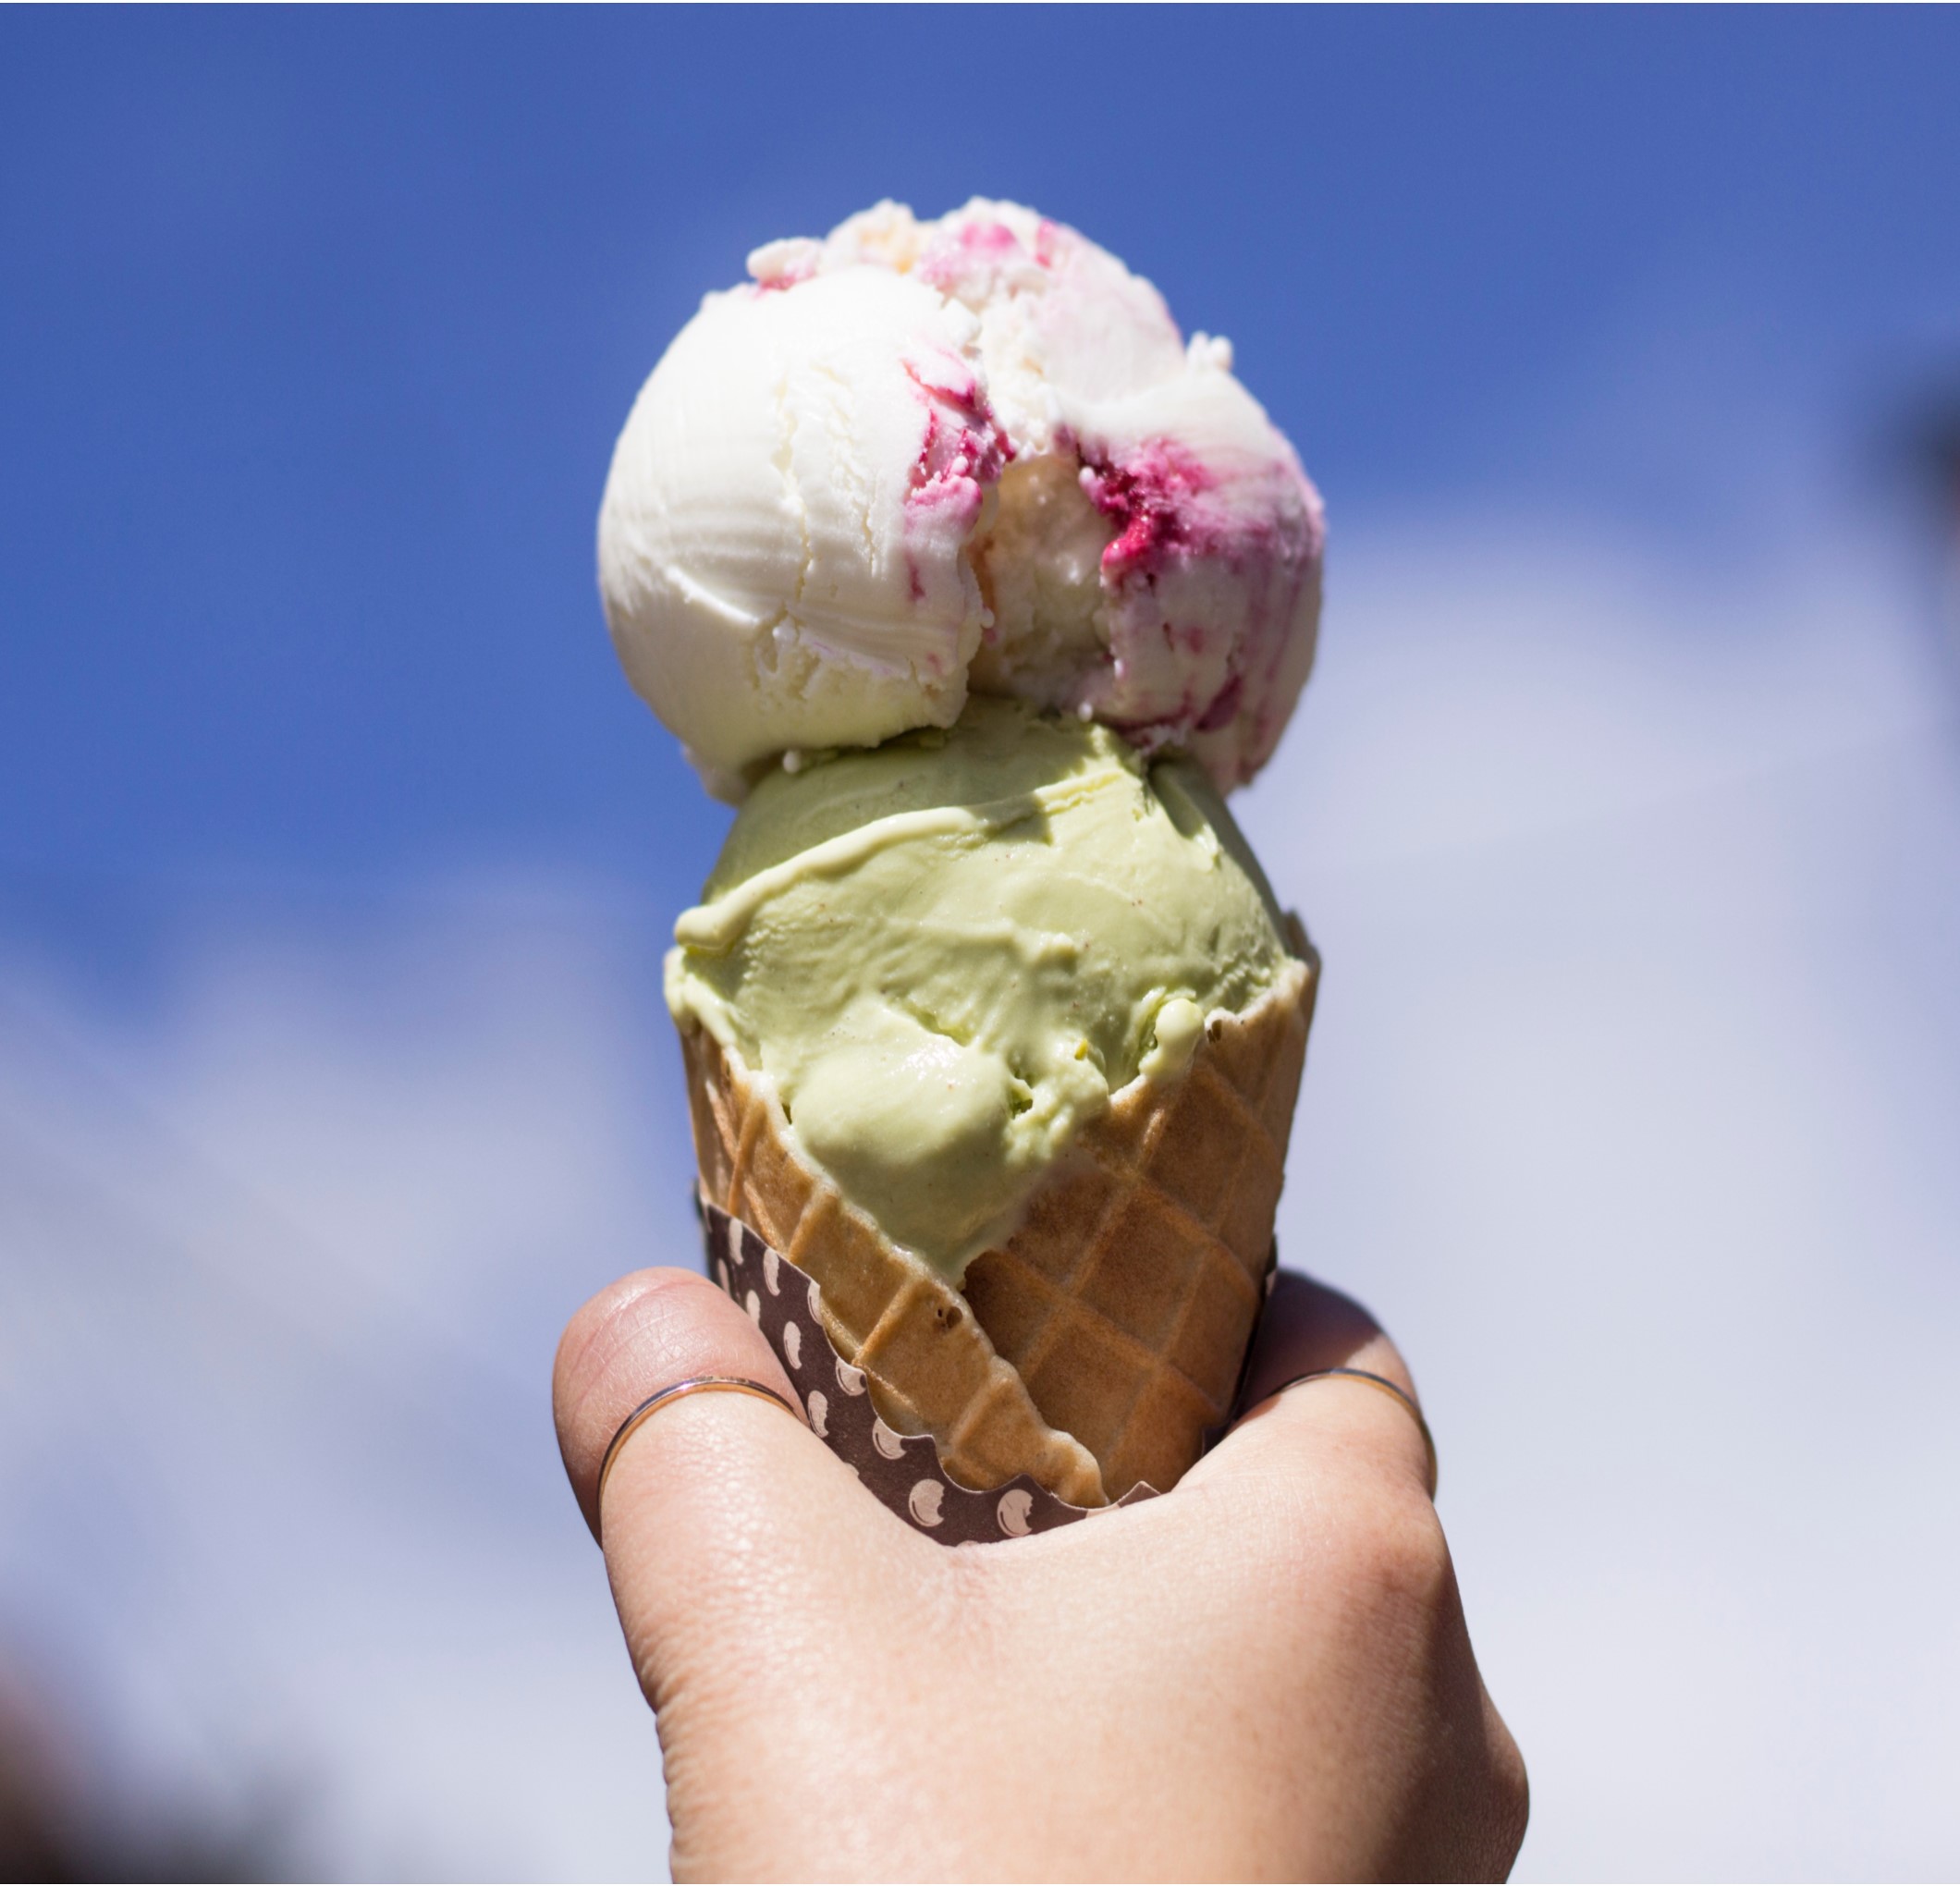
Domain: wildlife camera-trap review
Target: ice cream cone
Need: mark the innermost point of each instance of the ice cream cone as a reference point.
(1094, 1349)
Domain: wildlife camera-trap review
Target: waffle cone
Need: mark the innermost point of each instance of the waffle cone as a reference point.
(1094, 1349)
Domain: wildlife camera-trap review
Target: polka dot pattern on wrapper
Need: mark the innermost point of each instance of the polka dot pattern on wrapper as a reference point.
(901, 1470)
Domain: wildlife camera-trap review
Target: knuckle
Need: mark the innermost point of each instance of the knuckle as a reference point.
(1401, 1553)
(612, 1320)
(639, 1335)
(1509, 1789)
(668, 1324)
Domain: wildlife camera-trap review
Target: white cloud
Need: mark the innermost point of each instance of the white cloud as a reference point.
(279, 1498)
(1630, 1106)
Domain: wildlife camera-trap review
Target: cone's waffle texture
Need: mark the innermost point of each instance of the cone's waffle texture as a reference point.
(1093, 1350)
(929, 1365)
(1127, 1299)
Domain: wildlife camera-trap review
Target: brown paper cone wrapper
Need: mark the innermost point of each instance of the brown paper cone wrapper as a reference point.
(1093, 1352)
(905, 1471)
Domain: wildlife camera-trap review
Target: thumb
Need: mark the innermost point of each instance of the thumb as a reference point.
(725, 1521)
(642, 1334)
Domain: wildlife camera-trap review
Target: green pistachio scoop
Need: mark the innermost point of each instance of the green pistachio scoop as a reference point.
(946, 952)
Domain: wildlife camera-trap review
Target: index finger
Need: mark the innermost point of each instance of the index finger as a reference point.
(1307, 1329)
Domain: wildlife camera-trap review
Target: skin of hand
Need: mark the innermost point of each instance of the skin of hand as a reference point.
(1264, 1674)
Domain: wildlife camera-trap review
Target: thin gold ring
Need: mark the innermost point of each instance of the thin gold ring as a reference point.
(1374, 1381)
(695, 1385)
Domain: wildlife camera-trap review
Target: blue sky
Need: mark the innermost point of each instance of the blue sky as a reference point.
(317, 330)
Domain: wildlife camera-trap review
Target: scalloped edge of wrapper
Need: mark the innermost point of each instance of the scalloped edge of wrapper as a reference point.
(903, 1472)
(1101, 1348)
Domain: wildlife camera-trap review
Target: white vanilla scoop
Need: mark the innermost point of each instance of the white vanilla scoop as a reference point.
(919, 458)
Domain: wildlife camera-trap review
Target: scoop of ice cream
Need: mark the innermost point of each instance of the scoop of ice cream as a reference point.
(948, 953)
(919, 460)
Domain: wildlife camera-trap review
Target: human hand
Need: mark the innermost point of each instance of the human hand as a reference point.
(1263, 1675)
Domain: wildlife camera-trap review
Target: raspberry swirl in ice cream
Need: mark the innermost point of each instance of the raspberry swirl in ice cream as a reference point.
(916, 459)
